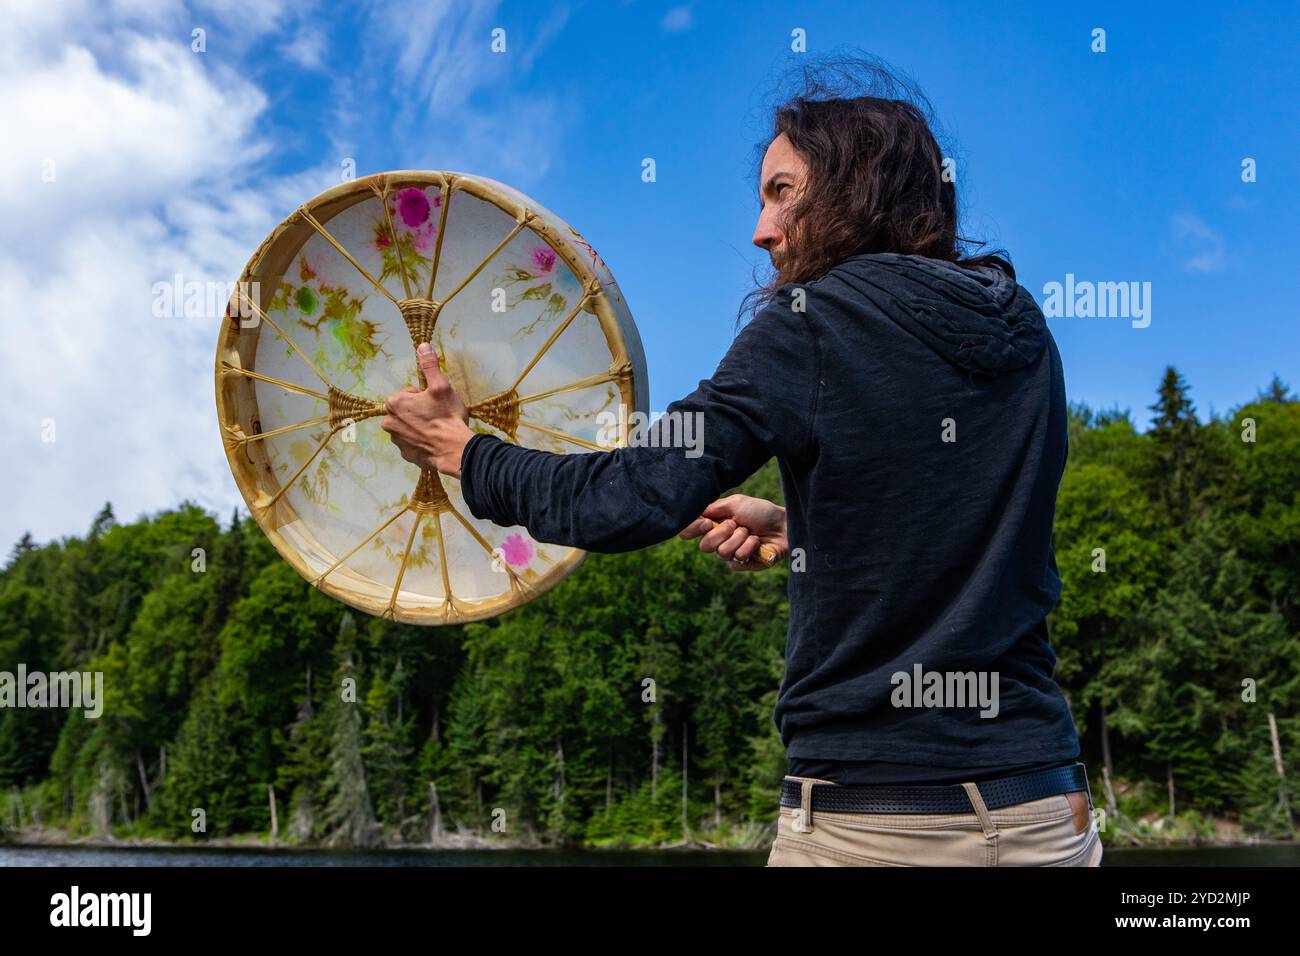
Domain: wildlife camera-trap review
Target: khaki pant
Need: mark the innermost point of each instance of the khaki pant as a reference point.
(1053, 831)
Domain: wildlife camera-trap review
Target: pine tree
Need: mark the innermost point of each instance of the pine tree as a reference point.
(388, 749)
(1277, 392)
(1174, 433)
(104, 521)
(26, 545)
(207, 771)
(302, 771)
(229, 575)
(349, 817)
(1204, 635)
(466, 744)
(720, 673)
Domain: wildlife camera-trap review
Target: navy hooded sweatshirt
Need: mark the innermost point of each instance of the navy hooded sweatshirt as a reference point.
(917, 413)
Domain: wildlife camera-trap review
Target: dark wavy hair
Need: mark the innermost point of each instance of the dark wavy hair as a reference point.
(876, 176)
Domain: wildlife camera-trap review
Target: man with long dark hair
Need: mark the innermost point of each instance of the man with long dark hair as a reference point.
(914, 400)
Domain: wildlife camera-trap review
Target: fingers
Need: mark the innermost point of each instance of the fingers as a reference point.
(428, 361)
(747, 557)
(716, 511)
(722, 508)
(748, 550)
(695, 529)
(720, 533)
(399, 401)
(736, 545)
(728, 548)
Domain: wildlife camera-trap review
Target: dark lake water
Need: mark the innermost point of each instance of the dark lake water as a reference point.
(136, 856)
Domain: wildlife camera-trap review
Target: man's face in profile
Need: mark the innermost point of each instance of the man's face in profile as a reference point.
(780, 183)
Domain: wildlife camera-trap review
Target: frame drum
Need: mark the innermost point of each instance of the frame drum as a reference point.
(530, 329)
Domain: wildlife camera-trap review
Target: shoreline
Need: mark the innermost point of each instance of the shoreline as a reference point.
(57, 839)
(47, 839)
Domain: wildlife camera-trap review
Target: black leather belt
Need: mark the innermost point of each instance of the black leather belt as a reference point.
(946, 798)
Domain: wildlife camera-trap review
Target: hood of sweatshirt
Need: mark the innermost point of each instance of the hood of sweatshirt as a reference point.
(980, 319)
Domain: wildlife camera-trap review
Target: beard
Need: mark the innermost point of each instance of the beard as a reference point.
(780, 263)
(785, 256)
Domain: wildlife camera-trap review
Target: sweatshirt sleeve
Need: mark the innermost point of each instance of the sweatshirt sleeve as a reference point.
(759, 402)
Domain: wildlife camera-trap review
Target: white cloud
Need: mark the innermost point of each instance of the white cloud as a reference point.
(307, 48)
(445, 98)
(118, 141)
(676, 20)
(153, 152)
(160, 158)
(1202, 249)
(445, 49)
(257, 16)
(547, 30)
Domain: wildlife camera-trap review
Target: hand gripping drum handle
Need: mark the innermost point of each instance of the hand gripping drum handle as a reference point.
(767, 554)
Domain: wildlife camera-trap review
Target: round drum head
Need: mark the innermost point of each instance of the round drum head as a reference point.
(530, 329)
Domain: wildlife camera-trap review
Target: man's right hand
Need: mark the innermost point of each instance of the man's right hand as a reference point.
(736, 526)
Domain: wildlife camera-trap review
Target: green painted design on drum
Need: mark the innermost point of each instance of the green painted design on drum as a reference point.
(339, 323)
(403, 256)
(545, 278)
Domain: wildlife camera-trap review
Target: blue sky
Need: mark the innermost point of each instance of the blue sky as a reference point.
(1115, 166)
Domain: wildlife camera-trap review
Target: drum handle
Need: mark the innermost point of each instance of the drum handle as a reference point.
(767, 553)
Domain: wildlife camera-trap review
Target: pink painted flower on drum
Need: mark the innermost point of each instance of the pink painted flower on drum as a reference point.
(413, 206)
(543, 260)
(412, 215)
(517, 550)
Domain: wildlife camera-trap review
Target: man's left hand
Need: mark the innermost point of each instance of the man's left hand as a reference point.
(429, 427)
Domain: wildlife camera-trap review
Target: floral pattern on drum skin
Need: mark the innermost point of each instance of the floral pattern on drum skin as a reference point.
(545, 278)
(415, 214)
(603, 275)
(334, 315)
(596, 262)
(518, 550)
(321, 303)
